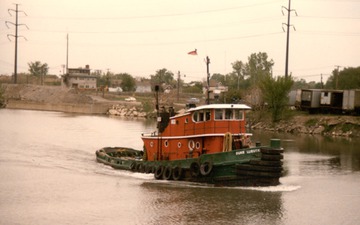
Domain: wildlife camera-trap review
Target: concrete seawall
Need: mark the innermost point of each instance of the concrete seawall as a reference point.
(88, 108)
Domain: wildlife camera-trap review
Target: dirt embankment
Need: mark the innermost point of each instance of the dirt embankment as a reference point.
(45, 94)
(328, 125)
(51, 98)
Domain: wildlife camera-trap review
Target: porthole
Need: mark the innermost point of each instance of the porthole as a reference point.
(179, 144)
(197, 145)
(151, 144)
(166, 143)
(186, 120)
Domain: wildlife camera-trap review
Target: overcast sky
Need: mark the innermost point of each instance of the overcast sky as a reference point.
(140, 37)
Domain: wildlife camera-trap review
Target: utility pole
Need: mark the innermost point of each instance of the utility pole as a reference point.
(337, 76)
(288, 36)
(322, 84)
(67, 53)
(16, 36)
(178, 86)
(208, 80)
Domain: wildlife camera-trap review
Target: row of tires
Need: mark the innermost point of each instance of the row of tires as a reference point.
(169, 172)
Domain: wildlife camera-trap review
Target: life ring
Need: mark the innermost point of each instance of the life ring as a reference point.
(177, 173)
(191, 144)
(167, 174)
(195, 169)
(206, 168)
(159, 172)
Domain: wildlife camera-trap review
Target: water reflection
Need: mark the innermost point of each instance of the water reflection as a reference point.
(337, 154)
(201, 205)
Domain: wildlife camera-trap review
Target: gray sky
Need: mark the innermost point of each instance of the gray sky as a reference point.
(140, 37)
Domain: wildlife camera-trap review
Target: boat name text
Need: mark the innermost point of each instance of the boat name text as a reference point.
(248, 151)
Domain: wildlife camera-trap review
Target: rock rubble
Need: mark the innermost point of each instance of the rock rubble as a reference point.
(127, 111)
(346, 126)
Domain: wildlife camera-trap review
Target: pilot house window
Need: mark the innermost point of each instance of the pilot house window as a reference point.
(201, 116)
(229, 114)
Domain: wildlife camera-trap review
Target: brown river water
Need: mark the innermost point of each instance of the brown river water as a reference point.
(48, 175)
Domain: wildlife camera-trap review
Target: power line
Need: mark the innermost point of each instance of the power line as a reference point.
(212, 26)
(16, 36)
(164, 15)
(329, 33)
(330, 17)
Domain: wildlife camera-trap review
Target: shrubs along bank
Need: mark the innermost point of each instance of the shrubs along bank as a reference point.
(60, 99)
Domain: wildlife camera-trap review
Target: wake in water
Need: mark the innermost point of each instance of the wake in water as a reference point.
(278, 188)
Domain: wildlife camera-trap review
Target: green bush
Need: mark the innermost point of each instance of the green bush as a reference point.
(311, 122)
(2, 98)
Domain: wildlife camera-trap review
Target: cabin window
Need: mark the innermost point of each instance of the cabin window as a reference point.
(239, 115)
(195, 116)
(218, 114)
(228, 114)
(201, 116)
(207, 115)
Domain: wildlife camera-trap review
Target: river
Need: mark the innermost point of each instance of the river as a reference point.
(49, 175)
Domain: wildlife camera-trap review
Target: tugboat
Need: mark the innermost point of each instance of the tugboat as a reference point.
(205, 144)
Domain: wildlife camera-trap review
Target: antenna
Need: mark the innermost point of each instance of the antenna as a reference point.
(289, 10)
(16, 36)
(208, 80)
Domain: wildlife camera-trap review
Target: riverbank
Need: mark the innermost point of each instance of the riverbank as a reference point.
(55, 98)
(313, 124)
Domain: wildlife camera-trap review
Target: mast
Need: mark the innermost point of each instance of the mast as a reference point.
(158, 120)
(208, 80)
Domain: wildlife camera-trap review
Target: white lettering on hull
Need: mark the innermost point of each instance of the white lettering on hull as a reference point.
(248, 151)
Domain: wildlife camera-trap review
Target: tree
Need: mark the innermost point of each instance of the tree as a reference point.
(233, 96)
(193, 87)
(2, 98)
(219, 78)
(275, 93)
(163, 76)
(105, 79)
(258, 67)
(127, 82)
(302, 84)
(239, 71)
(348, 78)
(38, 69)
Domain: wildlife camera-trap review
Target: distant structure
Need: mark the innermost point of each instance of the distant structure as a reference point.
(79, 78)
(214, 91)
